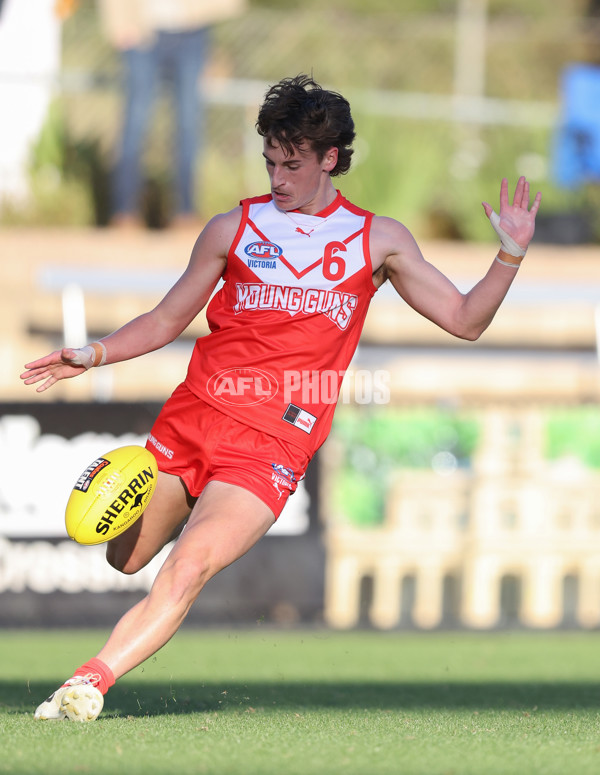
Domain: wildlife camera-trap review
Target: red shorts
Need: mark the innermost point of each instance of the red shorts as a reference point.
(195, 441)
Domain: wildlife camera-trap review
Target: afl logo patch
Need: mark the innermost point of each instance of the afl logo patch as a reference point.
(263, 249)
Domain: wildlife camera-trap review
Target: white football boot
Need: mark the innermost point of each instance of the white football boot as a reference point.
(76, 700)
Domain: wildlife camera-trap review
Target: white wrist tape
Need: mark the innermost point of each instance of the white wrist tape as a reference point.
(91, 355)
(507, 242)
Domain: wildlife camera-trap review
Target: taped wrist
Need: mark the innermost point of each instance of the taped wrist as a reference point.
(512, 264)
(91, 355)
(507, 243)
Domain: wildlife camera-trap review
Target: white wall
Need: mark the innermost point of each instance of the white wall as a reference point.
(29, 64)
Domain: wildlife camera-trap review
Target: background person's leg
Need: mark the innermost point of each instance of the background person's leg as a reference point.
(141, 84)
(188, 58)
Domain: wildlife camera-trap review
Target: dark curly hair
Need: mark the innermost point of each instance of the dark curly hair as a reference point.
(297, 111)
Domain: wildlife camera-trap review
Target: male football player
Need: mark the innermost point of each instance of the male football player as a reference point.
(300, 266)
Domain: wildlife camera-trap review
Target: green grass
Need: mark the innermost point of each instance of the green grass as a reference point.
(265, 702)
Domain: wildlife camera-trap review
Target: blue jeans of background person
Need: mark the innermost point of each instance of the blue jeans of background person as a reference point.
(180, 56)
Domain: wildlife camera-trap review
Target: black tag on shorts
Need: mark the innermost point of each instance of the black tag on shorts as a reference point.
(299, 417)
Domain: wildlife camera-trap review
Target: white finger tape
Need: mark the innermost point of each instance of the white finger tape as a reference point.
(90, 355)
(508, 243)
(84, 356)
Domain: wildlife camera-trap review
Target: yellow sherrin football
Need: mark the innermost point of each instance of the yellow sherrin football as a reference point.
(111, 494)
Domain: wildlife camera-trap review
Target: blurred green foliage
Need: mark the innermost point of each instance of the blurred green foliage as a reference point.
(372, 444)
(68, 180)
(574, 433)
(375, 443)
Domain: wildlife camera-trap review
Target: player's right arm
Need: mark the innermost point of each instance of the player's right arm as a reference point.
(161, 325)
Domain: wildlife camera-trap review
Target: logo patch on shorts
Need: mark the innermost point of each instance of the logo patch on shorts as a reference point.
(300, 418)
(283, 477)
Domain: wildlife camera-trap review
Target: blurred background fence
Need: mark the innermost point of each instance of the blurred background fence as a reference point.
(468, 496)
(448, 97)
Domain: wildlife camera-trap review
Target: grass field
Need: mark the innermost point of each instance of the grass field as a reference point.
(262, 702)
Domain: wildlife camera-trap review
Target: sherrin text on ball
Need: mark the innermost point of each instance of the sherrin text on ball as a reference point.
(111, 494)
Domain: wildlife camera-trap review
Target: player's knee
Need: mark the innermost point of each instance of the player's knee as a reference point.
(184, 577)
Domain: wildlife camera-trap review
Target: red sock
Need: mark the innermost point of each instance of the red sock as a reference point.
(98, 673)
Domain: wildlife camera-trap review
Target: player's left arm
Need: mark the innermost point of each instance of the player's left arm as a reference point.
(431, 293)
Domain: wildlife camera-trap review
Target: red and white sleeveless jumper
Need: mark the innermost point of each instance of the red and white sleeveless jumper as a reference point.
(287, 320)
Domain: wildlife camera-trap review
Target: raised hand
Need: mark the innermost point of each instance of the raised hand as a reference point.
(61, 364)
(516, 220)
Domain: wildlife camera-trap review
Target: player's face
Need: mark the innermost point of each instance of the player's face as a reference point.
(299, 181)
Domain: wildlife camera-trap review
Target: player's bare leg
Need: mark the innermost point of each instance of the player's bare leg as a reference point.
(170, 506)
(79, 698)
(225, 523)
